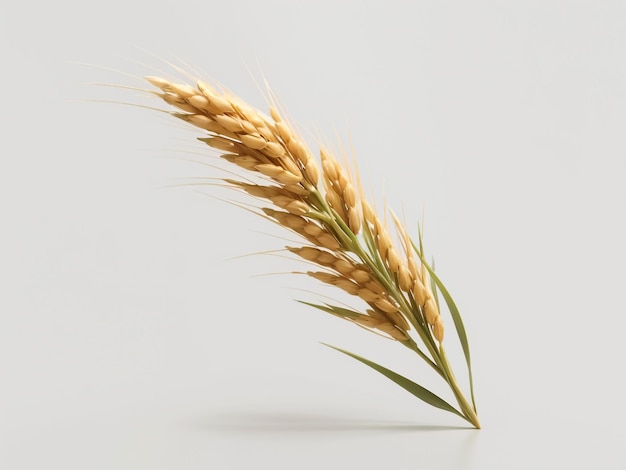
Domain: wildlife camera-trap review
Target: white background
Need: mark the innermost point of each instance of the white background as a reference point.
(130, 338)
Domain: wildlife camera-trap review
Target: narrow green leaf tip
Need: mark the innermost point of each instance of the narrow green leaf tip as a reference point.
(410, 386)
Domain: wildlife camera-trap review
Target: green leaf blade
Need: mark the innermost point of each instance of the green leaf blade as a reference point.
(458, 326)
(410, 386)
(334, 310)
(454, 313)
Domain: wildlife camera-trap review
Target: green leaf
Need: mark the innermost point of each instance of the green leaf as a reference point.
(373, 254)
(410, 386)
(454, 312)
(433, 286)
(419, 234)
(334, 310)
(458, 325)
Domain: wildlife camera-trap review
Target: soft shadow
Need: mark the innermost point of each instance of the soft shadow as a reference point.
(293, 422)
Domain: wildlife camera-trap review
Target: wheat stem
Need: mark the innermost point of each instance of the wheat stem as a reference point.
(467, 409)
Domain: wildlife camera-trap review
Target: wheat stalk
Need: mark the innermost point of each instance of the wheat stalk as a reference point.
(340, 231)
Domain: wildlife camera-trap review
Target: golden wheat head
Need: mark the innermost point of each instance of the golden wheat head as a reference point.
(323, 202)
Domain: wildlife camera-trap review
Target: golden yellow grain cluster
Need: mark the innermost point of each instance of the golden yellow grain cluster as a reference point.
(330, 216)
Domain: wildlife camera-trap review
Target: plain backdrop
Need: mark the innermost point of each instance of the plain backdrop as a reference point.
(134, 336)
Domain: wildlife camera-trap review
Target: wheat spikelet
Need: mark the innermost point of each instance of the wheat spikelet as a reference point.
(341, 232)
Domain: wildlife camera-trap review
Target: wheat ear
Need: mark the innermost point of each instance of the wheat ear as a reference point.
(341, 233)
